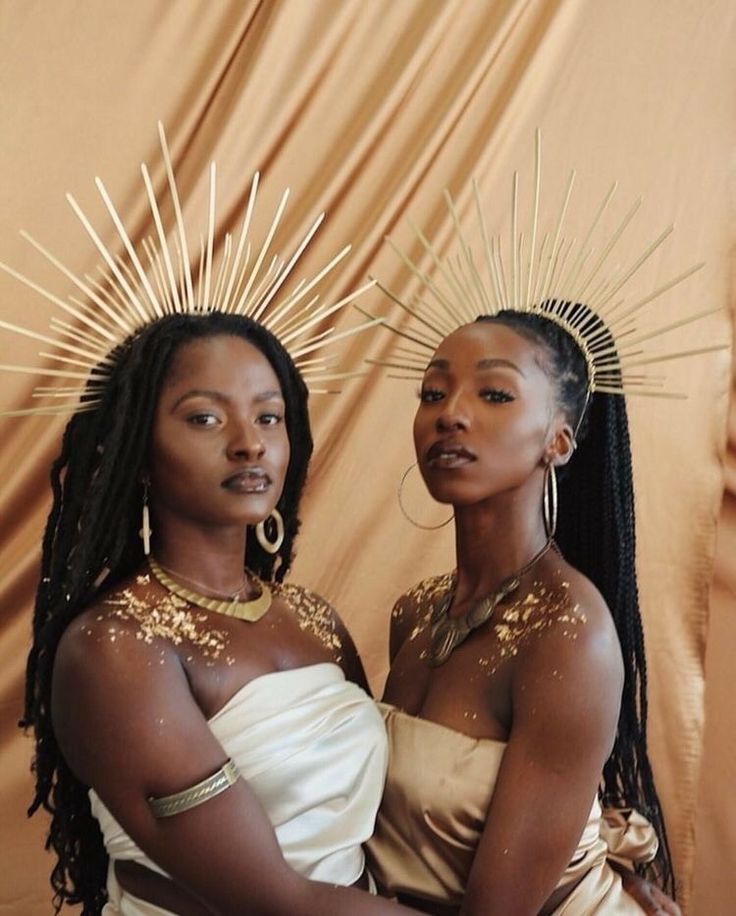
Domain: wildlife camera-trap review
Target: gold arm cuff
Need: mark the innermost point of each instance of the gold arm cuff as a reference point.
(208, 788)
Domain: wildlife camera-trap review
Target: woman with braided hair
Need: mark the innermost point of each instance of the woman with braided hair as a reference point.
(524, 670)
(519, 779)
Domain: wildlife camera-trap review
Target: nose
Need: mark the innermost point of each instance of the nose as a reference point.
(245, 443)
(453, 416)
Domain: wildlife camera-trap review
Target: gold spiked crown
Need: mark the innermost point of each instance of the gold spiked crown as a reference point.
(545, 275)
(133, 291)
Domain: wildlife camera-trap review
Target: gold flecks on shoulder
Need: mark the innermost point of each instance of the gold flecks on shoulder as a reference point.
(528, 616)
(423, 598)
(313, 614)
(168, 617)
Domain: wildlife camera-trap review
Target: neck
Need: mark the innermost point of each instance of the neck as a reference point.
(214, 557)
(495, 539)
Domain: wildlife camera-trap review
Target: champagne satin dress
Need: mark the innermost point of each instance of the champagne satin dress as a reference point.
(438, 789)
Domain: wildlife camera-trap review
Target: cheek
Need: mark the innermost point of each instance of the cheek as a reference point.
(422, 424)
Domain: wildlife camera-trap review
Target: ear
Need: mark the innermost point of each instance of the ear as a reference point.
(561, 444)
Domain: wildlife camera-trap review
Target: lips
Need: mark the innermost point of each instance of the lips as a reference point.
(247, 480)
(446, 454)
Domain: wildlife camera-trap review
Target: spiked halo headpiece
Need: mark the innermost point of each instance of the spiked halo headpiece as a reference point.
(129, 295)
(553, 277)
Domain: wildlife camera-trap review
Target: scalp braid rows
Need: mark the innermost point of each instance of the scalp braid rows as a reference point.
(596, 533)
(93, 527)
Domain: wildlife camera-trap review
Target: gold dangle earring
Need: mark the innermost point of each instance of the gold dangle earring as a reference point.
(549, 500)
(406, 514)
(268, 545)
(146, 530)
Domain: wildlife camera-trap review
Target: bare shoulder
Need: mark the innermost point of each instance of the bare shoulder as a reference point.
(570, 641)
(318, 617)
(115, 660)
(412, 611)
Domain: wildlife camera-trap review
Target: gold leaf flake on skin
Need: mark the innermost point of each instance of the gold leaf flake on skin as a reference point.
(313, 614)
(167, 618)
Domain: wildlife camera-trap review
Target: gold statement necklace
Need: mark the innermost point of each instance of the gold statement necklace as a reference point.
(450, 632)
(251, 610)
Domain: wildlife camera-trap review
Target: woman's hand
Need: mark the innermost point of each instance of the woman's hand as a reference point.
(650, 898)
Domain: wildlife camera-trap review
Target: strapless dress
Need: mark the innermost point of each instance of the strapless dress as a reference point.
(438, 789)
(312, 746)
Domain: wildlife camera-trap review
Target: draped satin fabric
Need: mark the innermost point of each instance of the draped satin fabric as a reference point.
(438, 789)
(369, 110)
(312, 747)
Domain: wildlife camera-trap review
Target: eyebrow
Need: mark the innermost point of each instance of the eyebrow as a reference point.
(489, 363)
(271, 395)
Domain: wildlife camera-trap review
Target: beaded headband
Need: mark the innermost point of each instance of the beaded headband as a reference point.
(555, 279)
(128, 296)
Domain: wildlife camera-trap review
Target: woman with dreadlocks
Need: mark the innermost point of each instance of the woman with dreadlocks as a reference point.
(519, 779)
(203, 741)
(155, 680)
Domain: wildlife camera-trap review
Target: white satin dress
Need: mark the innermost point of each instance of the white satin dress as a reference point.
(313, 748)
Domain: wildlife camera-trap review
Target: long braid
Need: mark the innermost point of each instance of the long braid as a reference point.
(596, 533)
(91, 534)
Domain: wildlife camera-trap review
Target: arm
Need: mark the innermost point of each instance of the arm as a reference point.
(565, 696)
(650, 898)
(127, 724)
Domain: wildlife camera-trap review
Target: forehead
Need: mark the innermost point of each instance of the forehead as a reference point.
(486, 340)
(221, 363)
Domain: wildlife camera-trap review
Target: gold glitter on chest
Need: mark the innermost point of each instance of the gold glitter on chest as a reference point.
(168, 617)
(313, 615)
(510, 628)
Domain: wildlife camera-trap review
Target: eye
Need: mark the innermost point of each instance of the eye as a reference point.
(430, 395)
(496, 395)
(270, 419)
(203, 419)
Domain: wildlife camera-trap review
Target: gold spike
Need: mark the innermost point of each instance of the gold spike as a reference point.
(205, 301)
(163, 246)
(535, 213)
(636, 265)
(290, 265)
(119, 276)
(326, 312)
(186, 268)
(427, 281)
(125, 238)
(221, 273)
(231, 291)
(491, 265)
(60, 302)
(607, 249)
(51, 410)
(328, 337)
(584, 250)
(264, 250)
(661, 289)
(56, 373)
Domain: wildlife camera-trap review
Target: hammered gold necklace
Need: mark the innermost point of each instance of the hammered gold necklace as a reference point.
(231, 607)
(449, 632)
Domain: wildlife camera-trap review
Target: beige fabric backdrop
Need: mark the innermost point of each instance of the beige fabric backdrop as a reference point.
(369, 110)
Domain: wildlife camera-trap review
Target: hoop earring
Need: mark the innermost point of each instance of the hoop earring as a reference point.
(146, 530)
(406, 514)
(262, 537)
(549, 500)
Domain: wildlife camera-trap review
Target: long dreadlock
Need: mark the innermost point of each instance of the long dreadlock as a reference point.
(596, 533)
(92, 533)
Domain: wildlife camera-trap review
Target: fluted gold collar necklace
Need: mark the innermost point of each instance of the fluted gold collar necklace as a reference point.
(251, 610)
